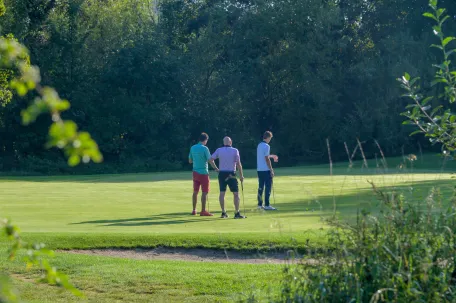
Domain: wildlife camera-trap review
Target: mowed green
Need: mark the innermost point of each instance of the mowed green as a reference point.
(148, 210)
(137, 209)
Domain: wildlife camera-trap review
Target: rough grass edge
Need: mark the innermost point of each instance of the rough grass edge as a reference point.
(317, 244)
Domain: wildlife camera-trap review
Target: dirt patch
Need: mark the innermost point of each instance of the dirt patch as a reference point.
(194, 254)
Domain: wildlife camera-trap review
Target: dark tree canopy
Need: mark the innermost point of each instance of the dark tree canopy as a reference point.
(146, 79)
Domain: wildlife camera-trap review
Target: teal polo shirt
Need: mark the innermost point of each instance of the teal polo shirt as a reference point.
(199, 154)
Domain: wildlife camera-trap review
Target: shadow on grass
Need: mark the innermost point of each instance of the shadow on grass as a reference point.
(347, 206)
(161, 219)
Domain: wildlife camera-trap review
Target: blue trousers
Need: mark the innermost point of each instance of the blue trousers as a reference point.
(264, 180)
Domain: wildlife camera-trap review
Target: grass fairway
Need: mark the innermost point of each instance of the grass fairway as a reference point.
(148, 210)
(153, 209)
(105, 279)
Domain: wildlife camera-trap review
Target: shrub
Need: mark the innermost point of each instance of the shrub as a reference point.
(404, 254)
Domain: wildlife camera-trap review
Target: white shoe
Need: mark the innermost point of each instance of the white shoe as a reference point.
(269, 208)
(260, 207)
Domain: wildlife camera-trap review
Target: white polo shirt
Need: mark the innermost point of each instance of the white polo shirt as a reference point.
(263, 150)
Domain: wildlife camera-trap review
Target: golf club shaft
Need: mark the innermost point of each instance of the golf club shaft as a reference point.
(273, 191)
(243, 203)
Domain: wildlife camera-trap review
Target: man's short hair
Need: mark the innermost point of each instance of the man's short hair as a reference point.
(267, 135)
(203, 137)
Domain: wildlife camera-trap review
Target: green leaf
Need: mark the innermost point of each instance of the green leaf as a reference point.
(451, 52)
(439, 66)
(433, 4)
(84, 136)
(435, 110)
(62, 105)
(437, 30)
(437, 46)
(416, 132)
(442, 80)
(56, 130)
(447, 40)
(430, 15)
(21, 89)
(452, 118)
(26, 117)
(97, 157)
(426, 100)
(440, 12)
(74, 160)
(30, 85)
(412, 82)
(407, 76)
(70, 129)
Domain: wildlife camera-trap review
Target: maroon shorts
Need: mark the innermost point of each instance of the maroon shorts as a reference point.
(200, 180)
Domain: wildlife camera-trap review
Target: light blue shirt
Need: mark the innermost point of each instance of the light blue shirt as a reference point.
(200, 154)
(263, 150)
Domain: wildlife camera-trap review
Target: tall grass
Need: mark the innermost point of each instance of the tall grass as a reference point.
(331, 174)
(404, 254)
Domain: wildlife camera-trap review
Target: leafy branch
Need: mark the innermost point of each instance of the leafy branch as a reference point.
(63, 134)
(36, 255)
(77, 146)
(437, 123)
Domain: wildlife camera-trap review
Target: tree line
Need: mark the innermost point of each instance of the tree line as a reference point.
(146, 77)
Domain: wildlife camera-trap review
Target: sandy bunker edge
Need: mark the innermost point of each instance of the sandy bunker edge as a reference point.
(193, 254)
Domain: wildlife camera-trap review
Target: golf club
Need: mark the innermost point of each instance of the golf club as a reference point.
(273, 192)
(242, 188)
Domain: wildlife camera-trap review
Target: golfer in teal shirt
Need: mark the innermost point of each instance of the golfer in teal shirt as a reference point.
(199, 156)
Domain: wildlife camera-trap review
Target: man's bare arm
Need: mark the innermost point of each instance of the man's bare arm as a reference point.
(241, 172)
(274, 157)
(268, 162)
(212, 163)
(190, 161)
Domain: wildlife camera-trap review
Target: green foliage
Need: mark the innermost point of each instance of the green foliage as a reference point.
(5, 92)
(153, 77)
(405, 254)
(2, 8)
(15, 64)
(62, 134)
(432, 114)
(7, 291)
(36, 255)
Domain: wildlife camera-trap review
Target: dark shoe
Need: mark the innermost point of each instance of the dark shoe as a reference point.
(224, 215)
(239, 216)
